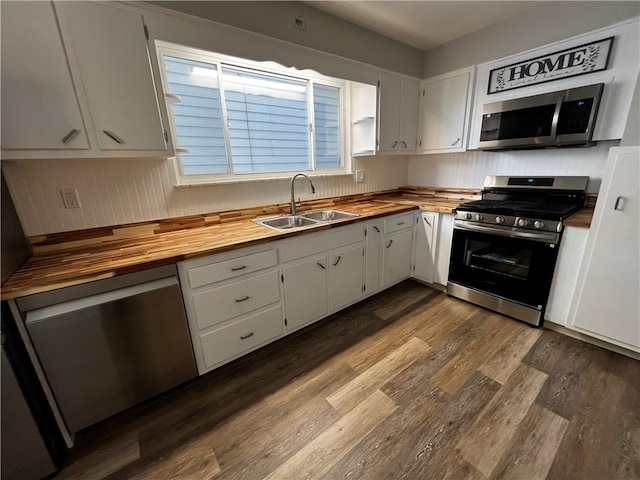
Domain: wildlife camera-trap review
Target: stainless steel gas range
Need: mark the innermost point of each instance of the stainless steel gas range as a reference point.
(505, 246)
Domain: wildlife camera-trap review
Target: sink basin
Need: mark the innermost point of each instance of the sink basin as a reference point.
(303, 220)
(327, 215)
(286, 222)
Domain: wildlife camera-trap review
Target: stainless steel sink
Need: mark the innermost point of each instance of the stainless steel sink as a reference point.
(283, 223)
(327, 215)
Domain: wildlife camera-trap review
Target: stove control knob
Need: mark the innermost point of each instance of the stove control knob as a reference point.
(538, 224)
(499, 220)
(523, 222)
(468, 216)
(479, 217)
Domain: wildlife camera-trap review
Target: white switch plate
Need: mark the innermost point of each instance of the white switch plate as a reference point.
(70, 198)
(359, 176)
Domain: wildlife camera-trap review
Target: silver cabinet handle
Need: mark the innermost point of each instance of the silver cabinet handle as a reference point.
(425, 219)
(70, 135)
(393, 145)
(113, 136)
(377, 229)
(337, 261)
(243, 299)
(400, 223)
(390, 242)
(237, 269)
(321, 265)
(244, 337)
(404, 144)
(454, 143)
(620, 202)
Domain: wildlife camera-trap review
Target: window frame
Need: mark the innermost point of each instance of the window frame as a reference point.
(265, 67)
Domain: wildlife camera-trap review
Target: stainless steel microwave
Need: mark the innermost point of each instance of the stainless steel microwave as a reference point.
(555, 119)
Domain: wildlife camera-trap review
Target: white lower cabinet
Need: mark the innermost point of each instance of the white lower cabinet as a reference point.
(397, 248)
(305, 292)
(374, 234)
(607, 300)
(443, 248)
(330, 278)
(424, 246)
(233, 303)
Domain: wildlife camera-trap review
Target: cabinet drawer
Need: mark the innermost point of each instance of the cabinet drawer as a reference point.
(312, 244)
(242, 265)
(241, 336)
(223, 303)
(398, 222)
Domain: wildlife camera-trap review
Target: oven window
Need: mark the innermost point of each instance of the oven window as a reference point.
(498, 259)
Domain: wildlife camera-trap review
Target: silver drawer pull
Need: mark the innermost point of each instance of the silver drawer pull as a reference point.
(404, 144)
(377, 229)
(454, 143)
(113, 136)
(244, 337)
(337, 261)
(400, 223)
(620, 201)
(321, 265)
(243, 299)
(393, 145)
(237, 269)
(70, 135)
(425, 219)
(390, 242)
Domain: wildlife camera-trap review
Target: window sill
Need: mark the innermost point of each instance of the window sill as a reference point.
(232, 181)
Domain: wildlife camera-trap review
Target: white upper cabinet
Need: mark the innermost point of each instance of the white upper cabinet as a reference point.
(39, 110)
(445, 103)
(397, 114)
(101, 74)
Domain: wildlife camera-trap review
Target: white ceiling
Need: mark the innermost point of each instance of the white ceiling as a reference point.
(423, 24)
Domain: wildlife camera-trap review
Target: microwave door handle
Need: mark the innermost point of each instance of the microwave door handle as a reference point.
(556, 118)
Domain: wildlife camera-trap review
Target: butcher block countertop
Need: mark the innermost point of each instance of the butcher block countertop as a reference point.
(72, 258)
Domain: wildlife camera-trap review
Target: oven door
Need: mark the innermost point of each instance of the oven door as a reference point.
(509, 275)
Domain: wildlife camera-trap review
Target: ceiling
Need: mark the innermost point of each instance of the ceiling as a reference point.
(423, 24)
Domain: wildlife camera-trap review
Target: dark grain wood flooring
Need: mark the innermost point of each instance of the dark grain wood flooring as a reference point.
(409, 384)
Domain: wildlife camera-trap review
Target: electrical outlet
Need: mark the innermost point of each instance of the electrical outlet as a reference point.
(70, 198)
(359, 176)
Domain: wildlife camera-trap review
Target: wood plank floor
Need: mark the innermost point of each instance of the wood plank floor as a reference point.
(409, 384)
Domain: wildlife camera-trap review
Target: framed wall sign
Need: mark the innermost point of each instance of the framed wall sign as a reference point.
(588, 58)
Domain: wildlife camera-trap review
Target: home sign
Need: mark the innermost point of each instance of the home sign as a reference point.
(588, 58)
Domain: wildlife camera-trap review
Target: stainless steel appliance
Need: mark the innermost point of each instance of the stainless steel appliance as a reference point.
(107, 345)
(563, 118)
(505, 245)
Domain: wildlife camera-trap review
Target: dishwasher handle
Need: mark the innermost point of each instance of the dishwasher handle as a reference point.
(44, 313)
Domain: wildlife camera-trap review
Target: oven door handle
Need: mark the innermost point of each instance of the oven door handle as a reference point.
(536, 237)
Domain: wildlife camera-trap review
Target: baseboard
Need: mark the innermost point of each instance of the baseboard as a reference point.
(594, 341)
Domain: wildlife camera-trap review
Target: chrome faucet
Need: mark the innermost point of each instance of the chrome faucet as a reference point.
(294, 205)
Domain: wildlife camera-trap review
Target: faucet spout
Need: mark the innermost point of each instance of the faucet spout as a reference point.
(312, 188)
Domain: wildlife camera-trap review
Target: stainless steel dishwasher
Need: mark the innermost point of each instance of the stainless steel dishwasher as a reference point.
(107, 345)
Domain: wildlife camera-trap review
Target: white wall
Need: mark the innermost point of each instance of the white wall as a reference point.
(118, 191)
(469, 169)
(547, 23)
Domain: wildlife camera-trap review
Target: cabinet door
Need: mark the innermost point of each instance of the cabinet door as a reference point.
(40, 108)
(110, 49)
(443, 248)
(424, 246)
(389, 105)
(345, 277)
(608, 303)
(444, 112)
(373, 257)
(396, 263)
(409, 115)
(305, 292)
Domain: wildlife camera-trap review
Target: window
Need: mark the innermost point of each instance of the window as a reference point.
(241, 119)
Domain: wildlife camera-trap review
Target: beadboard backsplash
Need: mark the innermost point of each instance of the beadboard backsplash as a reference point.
(469, 169)
(118, 191)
